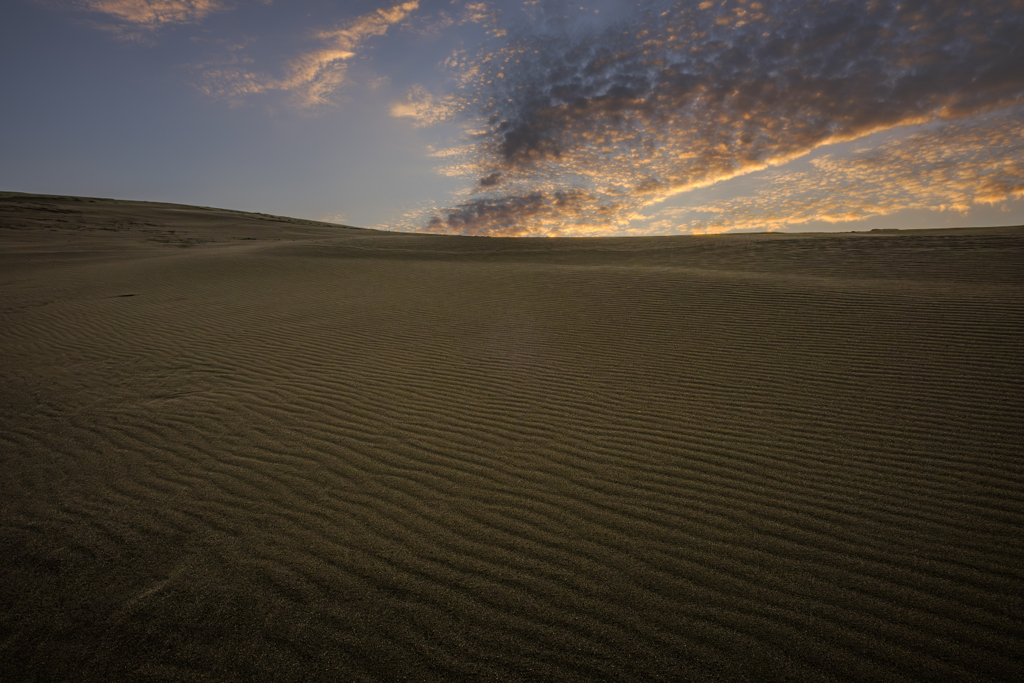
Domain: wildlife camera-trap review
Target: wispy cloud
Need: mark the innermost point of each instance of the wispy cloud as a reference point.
(424, 108)
(155, 12)
(952, 167)
(682, 96)
(485, 14)
(137, 19)
(312, 78)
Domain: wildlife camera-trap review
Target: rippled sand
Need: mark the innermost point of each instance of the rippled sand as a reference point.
(237, 447)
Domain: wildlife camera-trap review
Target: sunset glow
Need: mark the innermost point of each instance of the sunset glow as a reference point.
(528, 118)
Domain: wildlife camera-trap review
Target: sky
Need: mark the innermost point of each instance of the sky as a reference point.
(526, 117)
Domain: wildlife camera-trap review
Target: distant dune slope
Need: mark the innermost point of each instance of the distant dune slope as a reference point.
(240, 447)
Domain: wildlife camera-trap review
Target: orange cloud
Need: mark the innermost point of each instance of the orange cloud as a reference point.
(684, 97)
(139, 19)
(312, 78)
(423, 108)
(155, 13)
(949, 167)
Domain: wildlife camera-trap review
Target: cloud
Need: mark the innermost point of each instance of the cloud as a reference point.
(154, 13)
(137, 19)
(338, 218)
(423, 108)
(311, 78)
(510, 215)
(680, 96)
(952, 166)
(485, 14)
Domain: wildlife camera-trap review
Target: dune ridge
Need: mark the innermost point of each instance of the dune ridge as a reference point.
(239, 447)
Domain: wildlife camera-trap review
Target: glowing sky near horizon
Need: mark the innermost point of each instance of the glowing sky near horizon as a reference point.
(536, 117)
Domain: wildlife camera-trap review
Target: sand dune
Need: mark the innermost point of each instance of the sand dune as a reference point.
(239, 447)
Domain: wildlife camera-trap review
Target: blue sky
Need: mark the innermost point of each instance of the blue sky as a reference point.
(525, 118)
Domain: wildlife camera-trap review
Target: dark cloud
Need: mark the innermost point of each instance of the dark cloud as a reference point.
(490, 180)
(683, 94)
(509, 215)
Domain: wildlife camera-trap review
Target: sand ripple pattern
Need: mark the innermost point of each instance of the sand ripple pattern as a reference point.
(410, 458)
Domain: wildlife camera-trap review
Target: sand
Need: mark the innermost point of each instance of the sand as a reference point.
(239, 447)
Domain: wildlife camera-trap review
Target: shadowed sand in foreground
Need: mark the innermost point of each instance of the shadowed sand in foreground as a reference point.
(241, 447)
